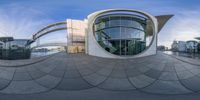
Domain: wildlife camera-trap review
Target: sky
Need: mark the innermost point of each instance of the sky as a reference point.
(22, 18)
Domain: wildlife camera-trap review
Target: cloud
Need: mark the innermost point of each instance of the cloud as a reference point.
(21, 21)
(184, 26)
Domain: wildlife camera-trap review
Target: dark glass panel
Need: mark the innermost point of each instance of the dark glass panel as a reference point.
(114, 33)
(114, 21)
(123, 47)
(126, 21)
(115, 46)
(102, 23)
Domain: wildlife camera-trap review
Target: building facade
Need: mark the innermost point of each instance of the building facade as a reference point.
(174, 46)
(182, 46)
(13, 49)
(198, 45)
(76, 30)
(118, 33)
(192, 46)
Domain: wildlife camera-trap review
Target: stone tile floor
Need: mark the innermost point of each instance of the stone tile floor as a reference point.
(67, 75)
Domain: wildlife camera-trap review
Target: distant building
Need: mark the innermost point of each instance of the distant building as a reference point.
(181, 46)
(174, 46)
(198, 45)
(1, 48)
(191, 46)
(161, 48)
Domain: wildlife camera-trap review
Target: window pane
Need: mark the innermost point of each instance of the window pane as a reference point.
(114, 33)
(114, 21)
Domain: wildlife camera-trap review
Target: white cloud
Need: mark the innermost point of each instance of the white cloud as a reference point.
(184, 26)
(21, 22)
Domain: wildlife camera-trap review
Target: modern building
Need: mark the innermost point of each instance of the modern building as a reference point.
(182, 46)
(12, 49)
(174, 46)
(192, 46)
(115, 33)
(162, 48)
(198, 45)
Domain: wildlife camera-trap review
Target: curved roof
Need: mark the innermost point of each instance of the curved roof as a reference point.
(162, 19)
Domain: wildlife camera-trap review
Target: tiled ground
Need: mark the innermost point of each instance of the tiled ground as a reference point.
(158, 74)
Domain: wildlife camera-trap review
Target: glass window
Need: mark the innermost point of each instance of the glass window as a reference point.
(123, 34)
(126, 21)
(137, 25)
(115, 33)
(114, 21)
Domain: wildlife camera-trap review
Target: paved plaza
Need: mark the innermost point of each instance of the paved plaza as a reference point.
(76, 76)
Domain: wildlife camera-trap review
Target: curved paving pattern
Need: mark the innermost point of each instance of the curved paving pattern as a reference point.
(159, 74)
(19, 63)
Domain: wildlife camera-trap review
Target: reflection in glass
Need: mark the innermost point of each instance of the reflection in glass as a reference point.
(12, 49)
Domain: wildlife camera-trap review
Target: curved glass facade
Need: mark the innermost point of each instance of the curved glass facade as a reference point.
(123, 34)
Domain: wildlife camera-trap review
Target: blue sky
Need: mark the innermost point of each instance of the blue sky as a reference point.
(21, 18)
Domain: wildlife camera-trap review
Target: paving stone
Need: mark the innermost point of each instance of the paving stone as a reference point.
(95, 79)
(36, 74)
(189, 66)
(185, 74)
(21, 76)
(169, 67)
(104, 71)
(48, 81)
(73, 84)
(132, 72)
(32, 68)
(195, 71)
(158, 66)
(9, 69)
(62, 68)
(153, 73)
(72, 74)
(94, 68)
(166, 87)
(143, 69)
(48, 69)
(24, 87)
(118, 74)
(192, 83)
(16, 63)
(21, 69)
(150, 65)
(4, 83)
(116, 84)
(141, 81)
(168, 76)
(179, 67)
(57, 73)
(85, 71)
(6, 75)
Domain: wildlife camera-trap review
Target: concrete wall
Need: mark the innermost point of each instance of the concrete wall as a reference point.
(76, 30)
